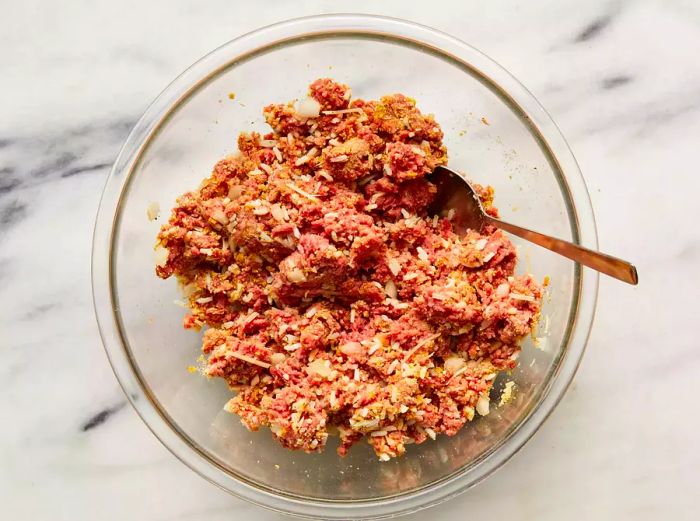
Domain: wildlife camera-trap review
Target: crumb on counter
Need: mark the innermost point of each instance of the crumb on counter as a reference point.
(332, 303)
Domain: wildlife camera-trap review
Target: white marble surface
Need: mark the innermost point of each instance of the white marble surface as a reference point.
(622, 80)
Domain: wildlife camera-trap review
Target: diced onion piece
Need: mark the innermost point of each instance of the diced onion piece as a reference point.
(161, 256)
(235, 192)
(277, 358)
(454, 364)
(152, 211)
(296, 275)
(277, 212)
(482, 405)
(390, 289)
(219, 216)
(503, 289)
(417, 150)
(308, 108)
(394, 266)
(352, 348)
(320, 367)
(422, 254)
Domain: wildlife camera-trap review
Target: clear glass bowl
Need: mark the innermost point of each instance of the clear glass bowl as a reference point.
(516, 148)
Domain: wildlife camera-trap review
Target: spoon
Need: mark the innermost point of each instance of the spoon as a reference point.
(455, 192)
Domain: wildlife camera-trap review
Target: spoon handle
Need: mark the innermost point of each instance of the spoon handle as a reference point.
(601, 262)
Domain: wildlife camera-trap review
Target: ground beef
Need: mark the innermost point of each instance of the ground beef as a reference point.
(332, 302)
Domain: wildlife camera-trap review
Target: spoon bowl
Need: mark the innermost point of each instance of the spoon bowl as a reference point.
(456, 196)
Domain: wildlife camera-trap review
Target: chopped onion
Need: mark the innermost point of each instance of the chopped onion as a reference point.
(161, 256)
(235, 191)
(394, 266)
(390, 289)
(219, 216)
(482, 405)
(320, 367)
(308, 108)
(277, 212)
(277, 358)
(352, 348)
(503, 289)
(296, 275)
(152, 211)
(454, 364)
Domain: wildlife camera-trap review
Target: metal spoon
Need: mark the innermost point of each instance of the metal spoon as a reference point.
(454, 192)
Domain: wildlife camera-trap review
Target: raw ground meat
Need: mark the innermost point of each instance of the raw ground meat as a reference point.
(333, 304)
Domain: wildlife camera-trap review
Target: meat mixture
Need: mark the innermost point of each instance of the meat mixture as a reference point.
(332, 302)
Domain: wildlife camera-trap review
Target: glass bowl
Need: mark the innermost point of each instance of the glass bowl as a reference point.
(494, 130)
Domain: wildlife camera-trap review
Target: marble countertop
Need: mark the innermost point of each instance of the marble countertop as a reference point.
(621, 78)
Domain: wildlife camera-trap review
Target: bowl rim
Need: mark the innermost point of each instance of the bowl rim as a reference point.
(515, 94)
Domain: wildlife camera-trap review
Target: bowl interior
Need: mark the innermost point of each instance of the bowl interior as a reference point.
(487, 137)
